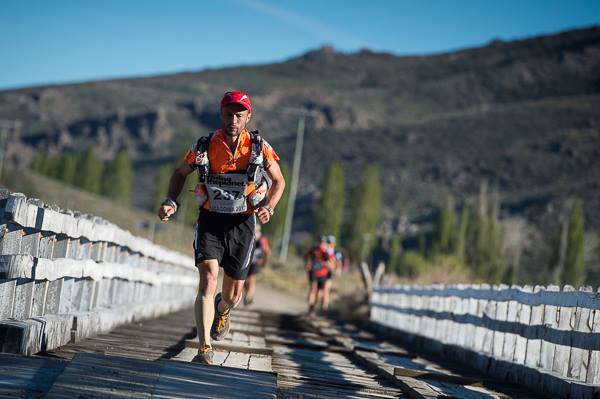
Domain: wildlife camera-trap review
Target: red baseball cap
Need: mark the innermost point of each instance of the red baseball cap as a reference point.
(236, 97)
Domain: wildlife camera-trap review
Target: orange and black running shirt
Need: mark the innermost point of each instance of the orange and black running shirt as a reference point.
(223, 160)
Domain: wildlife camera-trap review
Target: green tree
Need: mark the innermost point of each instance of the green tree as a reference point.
(52, 167)
(274, 229)
(329, 210)
(68, 167)
(461, 235)
(118, 178)
(484, 244)
(89, 172)
(365, 213)
(39, 161)
(395, 253)
(442, 236)
(573, 270)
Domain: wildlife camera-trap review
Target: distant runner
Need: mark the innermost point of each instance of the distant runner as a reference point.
(320, 263)
(260, 257)
(231, 192)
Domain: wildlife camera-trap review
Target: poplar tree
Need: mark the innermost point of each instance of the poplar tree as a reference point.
(329, 209)
(573, 271)
(89, 172)
(395, 253)
(365, 213)
(443, 230)
(39, 161)
(461, 235)
(118, 178)
(68, 167)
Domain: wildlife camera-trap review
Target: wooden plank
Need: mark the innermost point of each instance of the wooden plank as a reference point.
(413, 387)
(117, 377)
(91, 375)
(534, 346)
(550, 321)
(190, 380)
(501, 314)
(7, 296)
(186, 355)
(219, 357)
(26, 376)
(222, 346)
(260, 363)
(432, 375)
(579, 359)
(562, 352)
(237, 359)
(593, 374)
(524, 318)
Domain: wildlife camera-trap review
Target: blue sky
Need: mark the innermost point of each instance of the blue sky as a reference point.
(68, 41)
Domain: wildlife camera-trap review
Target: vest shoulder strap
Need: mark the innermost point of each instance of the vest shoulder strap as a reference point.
(255, 168)
(202, 163)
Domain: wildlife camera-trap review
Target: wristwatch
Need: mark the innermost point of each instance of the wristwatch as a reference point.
(172, 203)
(269, 209)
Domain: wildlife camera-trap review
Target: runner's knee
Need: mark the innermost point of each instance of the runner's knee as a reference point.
(209, 274)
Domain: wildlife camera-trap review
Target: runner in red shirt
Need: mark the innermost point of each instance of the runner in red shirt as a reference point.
(320, 265)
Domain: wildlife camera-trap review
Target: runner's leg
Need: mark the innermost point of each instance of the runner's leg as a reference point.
(312, 294)
(250, 286)
(320, 295)
(204, 308)
(326, 289)
(231, 294)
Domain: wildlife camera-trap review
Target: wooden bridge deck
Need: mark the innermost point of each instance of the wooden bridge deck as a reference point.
(265, 355)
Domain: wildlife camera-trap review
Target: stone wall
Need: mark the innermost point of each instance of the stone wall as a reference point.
(65, 276)
(541, 337)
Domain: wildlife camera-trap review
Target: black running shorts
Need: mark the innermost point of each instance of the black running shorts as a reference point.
(319, 280)
(227, 238)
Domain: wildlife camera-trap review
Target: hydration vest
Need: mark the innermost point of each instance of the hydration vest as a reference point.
(239, 187)
(320, 266)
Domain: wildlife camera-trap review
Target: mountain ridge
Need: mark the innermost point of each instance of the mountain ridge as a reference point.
(523, 115)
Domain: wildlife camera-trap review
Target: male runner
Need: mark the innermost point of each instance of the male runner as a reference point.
(260, 257)
(319, 263)
(226, 222)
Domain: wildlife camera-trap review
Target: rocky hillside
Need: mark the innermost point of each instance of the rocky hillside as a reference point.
(523, 115)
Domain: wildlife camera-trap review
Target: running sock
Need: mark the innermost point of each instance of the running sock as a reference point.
(224, 306)
(204, 310)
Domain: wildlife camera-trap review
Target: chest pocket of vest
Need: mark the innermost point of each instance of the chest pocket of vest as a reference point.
(227, 192)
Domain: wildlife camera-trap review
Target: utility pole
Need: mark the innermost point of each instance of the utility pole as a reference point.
(289, 214)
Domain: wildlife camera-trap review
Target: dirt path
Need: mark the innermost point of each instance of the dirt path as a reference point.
(267, 298)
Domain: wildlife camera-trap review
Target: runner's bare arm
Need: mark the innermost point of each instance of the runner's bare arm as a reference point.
(278, 185)
(275, 192)
(175, 186)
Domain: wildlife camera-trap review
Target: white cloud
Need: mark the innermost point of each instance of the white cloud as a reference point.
(309, 25)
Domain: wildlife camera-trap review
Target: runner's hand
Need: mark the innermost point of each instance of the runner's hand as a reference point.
(165, 212)
(263, 215)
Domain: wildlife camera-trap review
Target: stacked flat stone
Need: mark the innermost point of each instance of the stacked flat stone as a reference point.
(65, 276)
(542, 337)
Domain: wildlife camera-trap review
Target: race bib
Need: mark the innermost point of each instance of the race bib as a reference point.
(227, 192)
